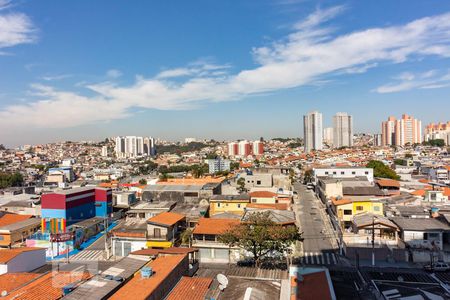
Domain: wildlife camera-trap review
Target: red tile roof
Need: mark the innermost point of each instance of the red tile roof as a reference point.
(142, 288)
(9, 219)
(167, 218)
(214, 226)
(12, 281)
(48, 286)
(388, 183)
(191, 288)
(263, 194)
(418, 193)
(8, 254)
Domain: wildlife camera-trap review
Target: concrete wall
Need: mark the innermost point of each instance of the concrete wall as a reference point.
(27, 261)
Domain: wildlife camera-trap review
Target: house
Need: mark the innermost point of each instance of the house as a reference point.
(390, 186)
(23, 259)
(346, 209)
(164, 229)
(423, 233)
(17, 228)
(145, 210)
(205, 237)
(234, 204)
(342, 172)
(192, 288)
(279, 217)
(156, 281)
(50, 286)
(386, 232)
(263, 197)
(129, 236)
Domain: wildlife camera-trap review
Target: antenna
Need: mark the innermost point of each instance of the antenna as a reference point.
(223, 280)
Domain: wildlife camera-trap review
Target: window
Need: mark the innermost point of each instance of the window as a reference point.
(353, 173)
(347, 212)
(239, 205)
(359, 208)
(376, 208)
(326, 173)
(218, 204)
(367, 172)
(334, 173)
(342, 172)
(126, 248)
(258, 182)
(157, 232)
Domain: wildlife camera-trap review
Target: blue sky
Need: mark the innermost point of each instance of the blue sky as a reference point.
(78, 70)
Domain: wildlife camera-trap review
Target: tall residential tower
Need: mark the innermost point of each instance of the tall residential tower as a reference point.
(312, 126)
(342, 130)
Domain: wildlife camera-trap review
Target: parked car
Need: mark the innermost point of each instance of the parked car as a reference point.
(437, 267)
(310, 186)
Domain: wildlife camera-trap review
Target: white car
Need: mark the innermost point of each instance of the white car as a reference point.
(437, 267)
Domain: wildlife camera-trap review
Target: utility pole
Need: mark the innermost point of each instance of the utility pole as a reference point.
(106, 237)
(373, 241)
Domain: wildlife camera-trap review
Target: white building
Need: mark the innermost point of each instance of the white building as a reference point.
(342, 130)
(190, 140)
(25, 259)
(133, 146)
(328, 136)
(377, 140)
(343, 172)
(233, 149)
(312, 126)
(105, 151)
(218, 165)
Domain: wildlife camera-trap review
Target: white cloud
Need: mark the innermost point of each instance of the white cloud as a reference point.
(409, 81)
(113, 73)
(15, 29)
(55, 77)
(5, 4)
(303, 57)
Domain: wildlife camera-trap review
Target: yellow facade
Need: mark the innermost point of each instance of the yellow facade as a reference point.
(234, 207)
(345, 212)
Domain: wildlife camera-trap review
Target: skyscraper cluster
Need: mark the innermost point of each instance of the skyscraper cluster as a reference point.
(438, 131)
(134, 146)
(406, 130)
(245, 148)
(340, 135)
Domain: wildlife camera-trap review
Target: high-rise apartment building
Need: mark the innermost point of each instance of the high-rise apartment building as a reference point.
(312, 126)
(342, 130)
(133, 146)
(105, 151)
(377, 140)
(406, 130)
(245, 148)
(328, 136)
(258, 148)
(439, 131)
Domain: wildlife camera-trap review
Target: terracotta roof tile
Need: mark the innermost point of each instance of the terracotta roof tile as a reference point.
(263, 194)
(192, 288)
(214, 226)
(48, 286)
(8, 254)
(314, 286)
(388, 183)
(280, 206)
(12, 281)
(142, 288)
(167, 218)
(9, 219)
(418, 193)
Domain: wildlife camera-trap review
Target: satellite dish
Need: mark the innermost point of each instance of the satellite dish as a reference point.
(223, 280)
(4, 293)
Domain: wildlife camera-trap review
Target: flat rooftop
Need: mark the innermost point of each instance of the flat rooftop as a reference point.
(173, 188)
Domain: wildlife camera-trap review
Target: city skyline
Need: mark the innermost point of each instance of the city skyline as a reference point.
(61, 84)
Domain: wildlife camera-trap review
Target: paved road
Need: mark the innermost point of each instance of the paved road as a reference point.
(317, 245)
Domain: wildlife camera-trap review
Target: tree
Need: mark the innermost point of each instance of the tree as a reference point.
(259, 235)
(234, 165)
(241, 184)
(186, 237)
(400, 162)
(308, 176)
(381, 170)
(143, 181)
(10, 179)
(435, 143)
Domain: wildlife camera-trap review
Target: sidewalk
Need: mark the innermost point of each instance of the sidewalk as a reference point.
(84, 245)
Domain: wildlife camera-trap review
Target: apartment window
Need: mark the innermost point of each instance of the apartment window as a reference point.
(376, 208)
(353, 173)
(334, 173)
(326, 173)
(359, 208)
(258, 182)
(367, 172)
(347, 212)
(342, 172)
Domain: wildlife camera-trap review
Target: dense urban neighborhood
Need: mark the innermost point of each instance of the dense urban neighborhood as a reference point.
(141, 218)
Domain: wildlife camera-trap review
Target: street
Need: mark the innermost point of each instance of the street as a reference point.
(317, 247)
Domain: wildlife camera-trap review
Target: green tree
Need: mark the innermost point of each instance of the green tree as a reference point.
(435, 143)
(186, 237)
(381, 170)
(259, 235)
(234, 165)
(400, 162)
(143, 181)
(241, 184)
(10, 179)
